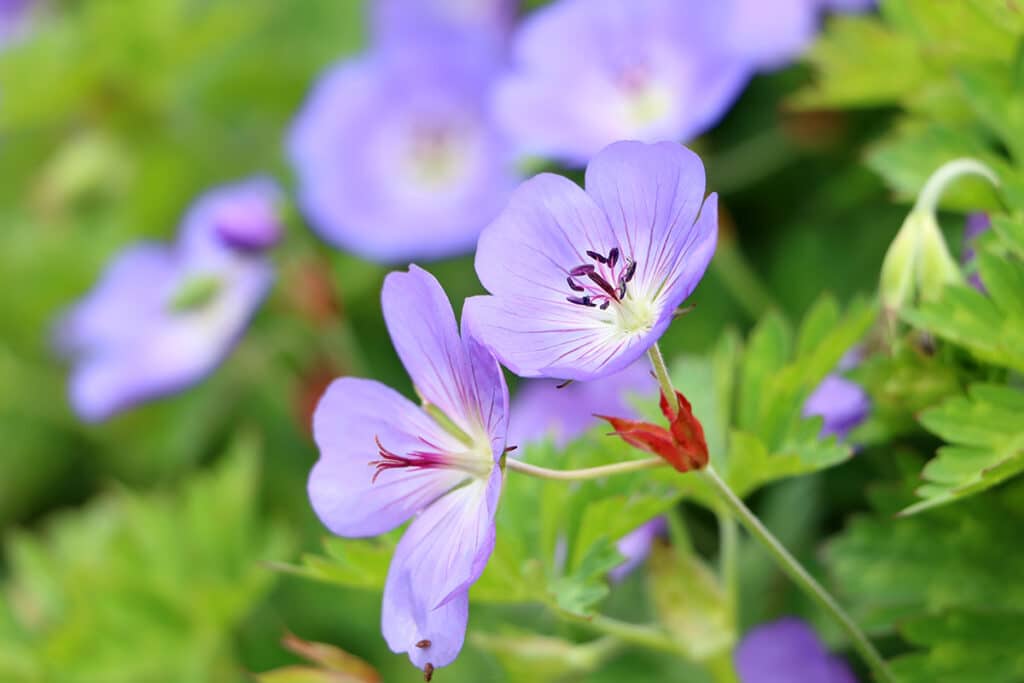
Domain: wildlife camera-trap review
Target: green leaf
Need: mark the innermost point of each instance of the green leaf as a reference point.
(690, 602)
(530, 657)
(580, 591)
(986, 444)
(967, 646)
(164, 577)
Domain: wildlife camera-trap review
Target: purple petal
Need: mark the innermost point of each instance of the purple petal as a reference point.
(243, 217)
(768, 35)
(349, 419)
(397, 154)
(487, 21)
(130, 346)
(462, 379)
(652, 195)
(636, 546)
(842, 403)
(442, 553)
(788, 650)
(639, 69)
(541, 409)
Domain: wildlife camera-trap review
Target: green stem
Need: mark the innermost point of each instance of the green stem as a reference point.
(587, 473)
(641, 635)
(661, 373)
(782, 557)
(800, 576)
(729, 561)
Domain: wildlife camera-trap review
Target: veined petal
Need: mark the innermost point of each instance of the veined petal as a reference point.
(544, 231)
(692, 262)
(456, 377)
(652, 195)
(442, 553)
(538, 338)
(352, 415)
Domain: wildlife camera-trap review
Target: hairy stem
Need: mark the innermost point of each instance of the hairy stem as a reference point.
(587, 473)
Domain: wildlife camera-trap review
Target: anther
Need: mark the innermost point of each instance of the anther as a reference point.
(580, 300)
(630, 272)
(428, 672)
(613, 257)
(574, 286)
(581, 270)
(605, 305)
(423, 644)
(597, 257)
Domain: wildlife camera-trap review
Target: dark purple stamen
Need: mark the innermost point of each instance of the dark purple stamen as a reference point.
(575, 287)
(580, 300)
(613, 257)
(630, 272)
(597, 257)
(581, 270)
(602, 283)
(605, 305)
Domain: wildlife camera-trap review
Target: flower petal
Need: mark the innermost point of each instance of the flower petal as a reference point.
(350, 417)
(652, 195)
(457, 377)
(544, 231)
(533, 337)
(442, 553)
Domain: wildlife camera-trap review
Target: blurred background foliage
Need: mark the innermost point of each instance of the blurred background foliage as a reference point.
(170, 543)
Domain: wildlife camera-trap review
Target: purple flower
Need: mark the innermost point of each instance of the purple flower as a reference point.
(162, 317)
(540, 409)
(841, 402)
(14, 17)
(785, 651)
(583, 283)
(487, 21)
(636, 546)
(384, 460)
(977, 223)
(636, 70)
(397, 154)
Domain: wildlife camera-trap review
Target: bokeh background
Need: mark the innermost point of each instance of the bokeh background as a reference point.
(146, 548)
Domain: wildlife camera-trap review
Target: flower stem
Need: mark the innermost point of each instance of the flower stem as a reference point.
(650, 637)
(782, 557)
(587, 473)
(800, 576)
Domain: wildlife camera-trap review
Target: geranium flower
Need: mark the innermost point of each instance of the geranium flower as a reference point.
(636, 546)
(14, 19)
(485, 21)
(977, 223)
(397, 154)
(582, 283)
(162, 317)
(637, 70)
(788, 650)
(384, 460)
(842, 403)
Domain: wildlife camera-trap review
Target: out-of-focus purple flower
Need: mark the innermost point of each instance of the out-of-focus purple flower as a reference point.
(842, 403)
(848, 5)
(486, 21)
(634, 70)
(976, 224)
(540, 409)
(786, 651)
(397, 154)
(636, 546)
(384, 460)
(583, 282)
(14, 18)
(162, 317)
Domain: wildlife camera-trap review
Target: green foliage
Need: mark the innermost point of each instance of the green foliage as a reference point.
(329, 665)
(140, 587)
(750, 399)
(529, 657)
(948, 581)
(956, 81)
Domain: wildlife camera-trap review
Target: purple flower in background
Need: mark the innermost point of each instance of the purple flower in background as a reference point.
(540, 409)
(486, 21)
(976, 224)
(14, 18)
(397, 154)
(636, 546)
(582, 283)
(162, 317)
(590, 72)
(384, 460)
(841, 402)
(786, 651)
